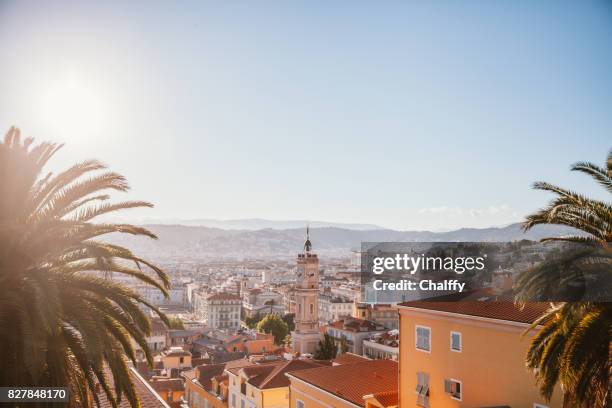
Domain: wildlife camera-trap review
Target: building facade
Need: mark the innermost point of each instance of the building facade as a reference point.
(468, 354)
(332, 307)
(221, 311)
(353, 332)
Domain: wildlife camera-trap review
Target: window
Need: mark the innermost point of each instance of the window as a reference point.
(181, 360)
(241, 403)
(454, 388)
(299, 404)
(455, 341)
(233, 400)
(311, 308)
(536, 405)
(422, 389)
(423, 338)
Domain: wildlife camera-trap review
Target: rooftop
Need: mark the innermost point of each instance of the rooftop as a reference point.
(352, 382)
(349, 358)
(223, 296)
(498, 310)
(146, 394)
(356, 325)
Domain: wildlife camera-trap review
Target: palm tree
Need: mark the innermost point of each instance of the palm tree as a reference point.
(573, 345)
(270, 303)
(62, 323)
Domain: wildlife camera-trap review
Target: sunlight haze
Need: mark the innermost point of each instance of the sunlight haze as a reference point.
(409, 115)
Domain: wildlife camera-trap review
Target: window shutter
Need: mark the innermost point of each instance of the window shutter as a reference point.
(447, 386)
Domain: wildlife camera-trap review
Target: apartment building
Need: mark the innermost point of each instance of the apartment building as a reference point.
(360, 384)
(353, 332)
(383, 314)
(221, 311)
(333, 308)
(263, 385)
(468, 354)
(262, 301)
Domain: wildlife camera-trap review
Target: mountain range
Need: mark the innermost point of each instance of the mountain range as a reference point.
(199, 242)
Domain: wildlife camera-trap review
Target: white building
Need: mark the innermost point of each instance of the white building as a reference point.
(262, 301)
(220, 310)
(353, 332)
(384, 346)
(332, 308)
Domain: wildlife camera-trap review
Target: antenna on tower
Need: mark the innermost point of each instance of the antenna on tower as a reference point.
(307, 244)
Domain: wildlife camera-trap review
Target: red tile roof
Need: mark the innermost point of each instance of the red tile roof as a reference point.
(276, 377)
(170, 384)
(207, 372)
(387, 398)
(148, 397)
(349, 358)
(352, 382)
(503, 310)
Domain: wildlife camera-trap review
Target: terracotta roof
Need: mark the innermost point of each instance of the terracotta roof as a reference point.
(148, 397)
(387, 398)
(171, 384)
(349, 358)
(508, 311)
(207, 372)
(352, 382)
(276, 376)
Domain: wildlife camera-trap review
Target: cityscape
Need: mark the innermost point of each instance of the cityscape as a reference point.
(305, 204)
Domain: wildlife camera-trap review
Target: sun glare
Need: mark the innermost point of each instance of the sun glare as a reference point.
(73, 108)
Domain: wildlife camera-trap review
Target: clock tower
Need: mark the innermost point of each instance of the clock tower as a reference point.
(306, 336)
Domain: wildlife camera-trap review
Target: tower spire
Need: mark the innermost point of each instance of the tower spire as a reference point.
(307, 244)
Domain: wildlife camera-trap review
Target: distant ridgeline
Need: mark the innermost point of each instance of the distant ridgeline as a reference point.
(210, 243)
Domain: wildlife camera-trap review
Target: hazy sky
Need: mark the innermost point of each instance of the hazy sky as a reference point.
(428, 115)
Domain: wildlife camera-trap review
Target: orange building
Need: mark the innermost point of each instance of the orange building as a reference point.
(359, 383)
(467, 354)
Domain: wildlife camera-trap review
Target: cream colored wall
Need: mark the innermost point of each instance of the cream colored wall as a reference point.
(314, 398)
(212, 400)
(275, 397)
(490, 366)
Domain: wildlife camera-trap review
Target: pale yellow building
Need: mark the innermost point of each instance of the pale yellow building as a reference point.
(467, 354)
(263, 385)
(176, 357)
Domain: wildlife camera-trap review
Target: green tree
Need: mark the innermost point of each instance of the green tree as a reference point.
(289, 318)
(273, 324)
(176, 323)
(343, 345)
(63, 322)
(327, 348)
(251, 321)
(271, 303)
(573, 346)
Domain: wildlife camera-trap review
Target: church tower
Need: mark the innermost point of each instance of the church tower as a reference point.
(306, 336)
